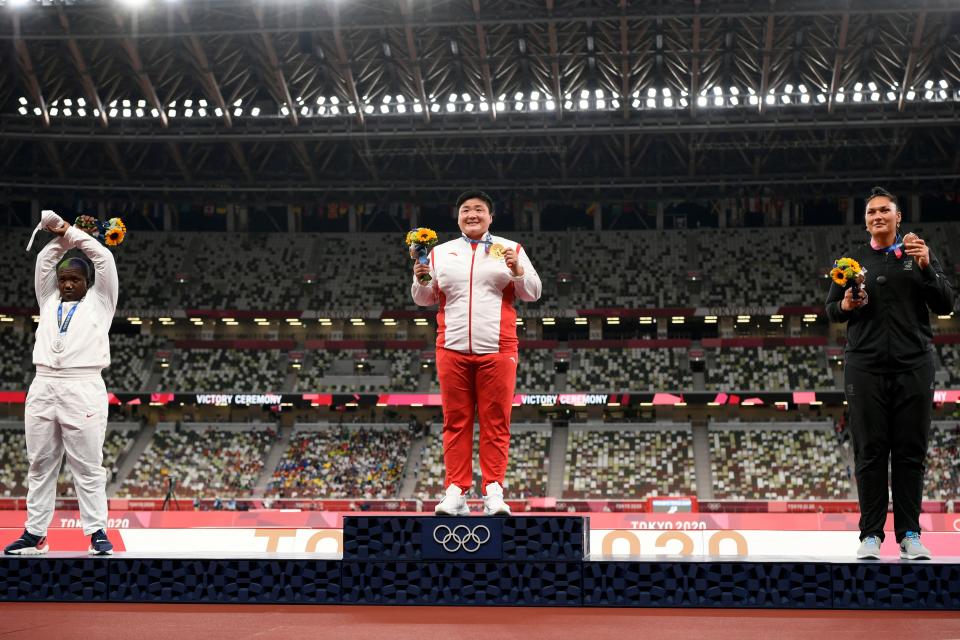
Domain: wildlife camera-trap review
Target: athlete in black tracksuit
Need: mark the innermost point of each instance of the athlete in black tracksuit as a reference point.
(889, 378)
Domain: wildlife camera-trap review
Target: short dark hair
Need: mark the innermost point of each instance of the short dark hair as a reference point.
(880, 192)
(76, 262)
(475, 193)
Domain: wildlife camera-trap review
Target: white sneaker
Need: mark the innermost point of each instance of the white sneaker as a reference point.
(453, 503)
(493, 504)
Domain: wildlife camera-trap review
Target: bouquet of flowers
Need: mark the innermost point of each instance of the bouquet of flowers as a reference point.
(847, 272)
(110, 233)
(419, 241)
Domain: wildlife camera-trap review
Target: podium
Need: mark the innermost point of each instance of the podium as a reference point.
(520, 560)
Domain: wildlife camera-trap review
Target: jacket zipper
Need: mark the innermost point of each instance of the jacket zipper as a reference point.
(470, 305)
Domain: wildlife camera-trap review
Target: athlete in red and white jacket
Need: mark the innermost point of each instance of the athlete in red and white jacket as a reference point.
(475, 280)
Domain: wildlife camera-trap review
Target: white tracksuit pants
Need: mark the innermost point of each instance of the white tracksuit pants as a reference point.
(66, 412)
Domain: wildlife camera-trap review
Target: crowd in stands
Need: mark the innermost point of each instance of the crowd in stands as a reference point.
(342, 462)
(147, 266)
(535, 370)
(776, 464)
(629, 370)
(225, 370)
(131, 361)
(644, 269)
(942, 477)
(212, 461)
(16, 347)
(768, 369)
(528, 465)
(629, 462)
(248, 271)
(340, 371)
(950, 362)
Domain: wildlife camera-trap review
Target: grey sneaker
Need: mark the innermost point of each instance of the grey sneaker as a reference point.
(912, 549)
(869, 548)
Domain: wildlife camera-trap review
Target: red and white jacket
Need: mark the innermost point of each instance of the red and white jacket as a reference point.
(475, 291)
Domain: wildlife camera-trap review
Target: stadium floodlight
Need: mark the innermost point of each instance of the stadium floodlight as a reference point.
(805, 98)
(143, 103)
(943, 84)
(821, 98)
(858, 86)
(613, 320)
(734, 91)
(452, 97)
(701, 101)
(368, 108)
(668, 103)
(154, 113)
(651, 93)
(598, 93)
(710, 319)
(350, 109)
(139, 112)
(18, 3)
(384, 108)
(171, 113)
(943, 94)
(910, 95)
(840, 97)
(334, 100)
(23, 111)
(677, 320)
(188, 102)
(734, 101)
(23, 100)
(718, 101)
(188, 113)
(857, 97)
(202, 112)
(928, 95)
(770, 99)
(127, 113)
(636, 103)
(872, 86)
(534, 95)
(581, 321)
(875, 96)
(568, 104)
(451, 107)
(68, 102)
(126, 103)
(550, 105)
(584, 104)
(322, 110)
(584, 94)
(218, 112)
(601, 104)
(400, 99)
(518, 106)
(549, 321)
(255, 112)
(236, 112)
(434, 108)
(615, 103)
(717, 91)
(666, 92)
(928, 84)
(533, 105)
(202, 103)
(401, 108)
(385, 100)
(305, 111)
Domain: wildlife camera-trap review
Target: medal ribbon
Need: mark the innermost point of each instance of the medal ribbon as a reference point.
(62, 324)
(486, 241)
(895, 248)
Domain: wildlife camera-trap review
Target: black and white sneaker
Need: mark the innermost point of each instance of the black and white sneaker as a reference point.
(100, 544)
(27, 545)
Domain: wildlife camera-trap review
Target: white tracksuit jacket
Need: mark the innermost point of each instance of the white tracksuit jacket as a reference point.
(475, 292)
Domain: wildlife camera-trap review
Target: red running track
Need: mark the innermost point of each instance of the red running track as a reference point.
(239, 622)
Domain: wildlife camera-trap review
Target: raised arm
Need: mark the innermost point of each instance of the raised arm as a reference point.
(425, 294)
(45, 272)
(527, 286)
(107, 284)
(937, 291)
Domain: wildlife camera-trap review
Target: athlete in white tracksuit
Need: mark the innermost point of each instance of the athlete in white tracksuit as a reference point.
(66, 408)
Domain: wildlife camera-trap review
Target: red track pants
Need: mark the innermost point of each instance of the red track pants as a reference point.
(471, 384)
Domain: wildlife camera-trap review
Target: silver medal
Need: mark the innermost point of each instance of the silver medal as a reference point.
(57, 345)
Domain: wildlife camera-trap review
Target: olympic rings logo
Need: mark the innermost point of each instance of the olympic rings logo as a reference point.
(461, 537)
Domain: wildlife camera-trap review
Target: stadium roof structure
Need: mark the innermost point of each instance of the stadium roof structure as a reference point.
(421, 97)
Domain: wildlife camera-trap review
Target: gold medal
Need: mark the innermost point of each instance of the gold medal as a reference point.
(497, 250)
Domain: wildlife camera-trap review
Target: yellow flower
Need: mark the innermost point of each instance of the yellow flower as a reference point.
(411, 237)
(423, 235)
(837, 275)
(115, 236)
